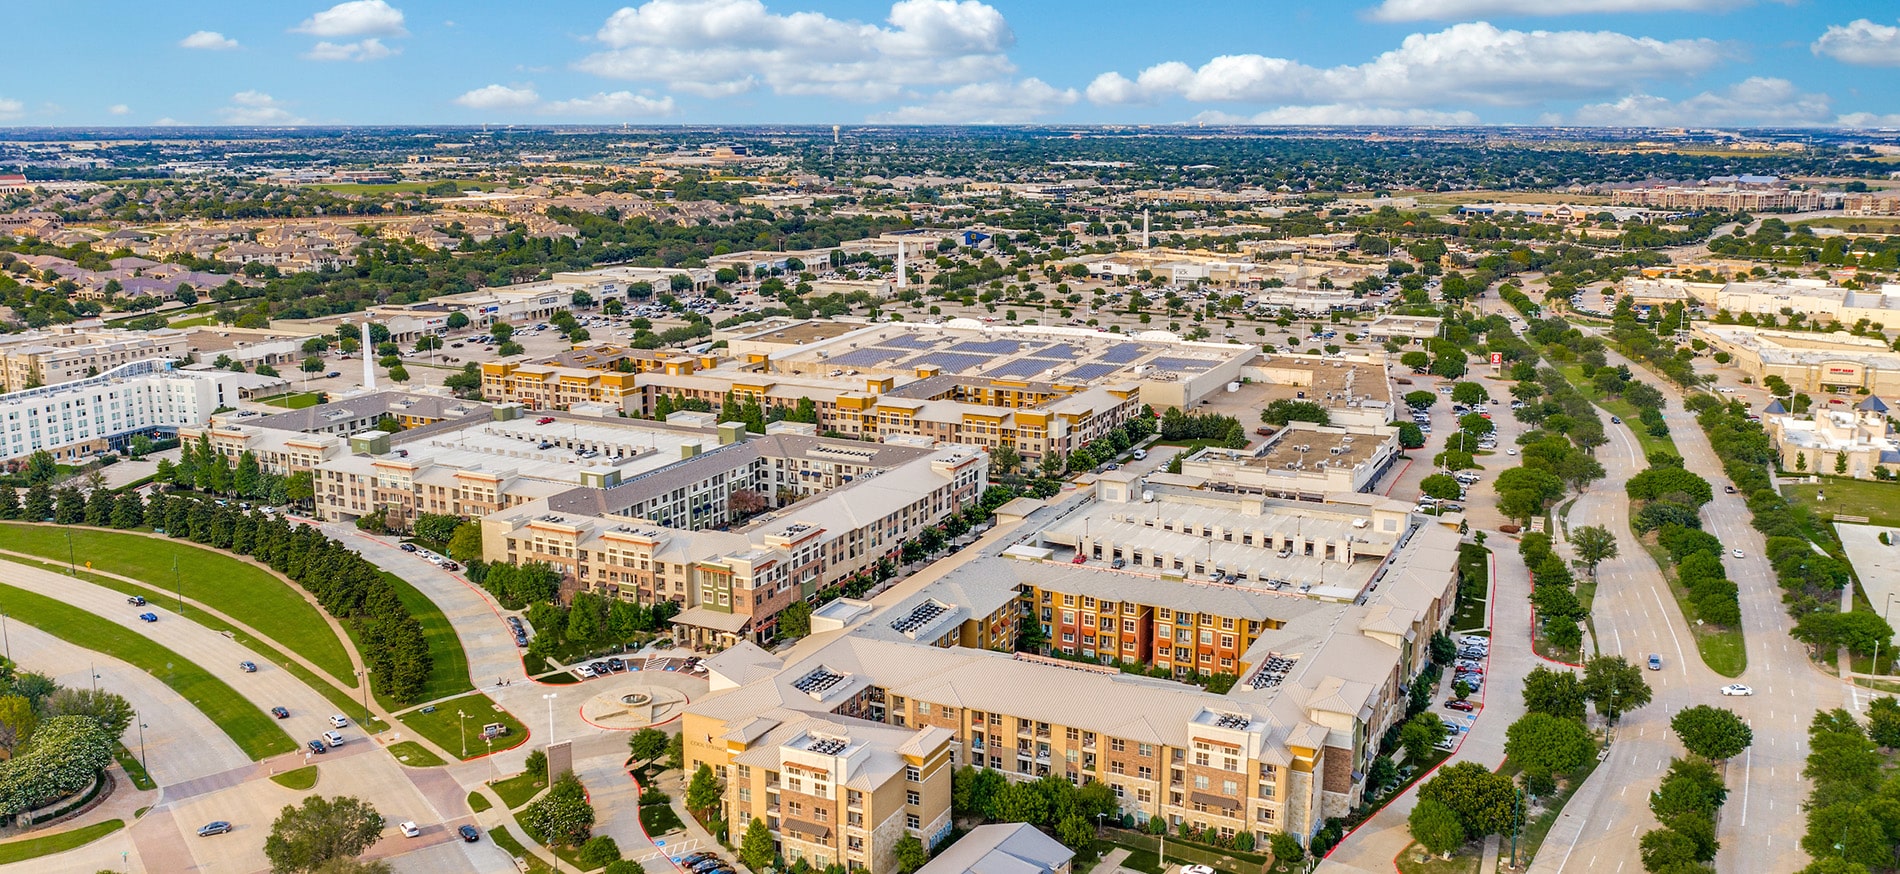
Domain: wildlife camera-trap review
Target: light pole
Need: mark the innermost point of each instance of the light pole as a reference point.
(362, 678)
(463, 723)
(3, 635)
(550, 699)
(95, 677)
(141, 721)
(72, 557)
(178, 583)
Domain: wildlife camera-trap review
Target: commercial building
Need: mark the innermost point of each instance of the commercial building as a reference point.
(1814, 298)
(299, 440)
(1835, 438)
(96, 414)
(1810, 362)
(62, 354)
(1302, 461)
(1320, 669)
(1355, 390)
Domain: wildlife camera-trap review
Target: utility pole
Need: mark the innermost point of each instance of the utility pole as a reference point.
(1517, 820)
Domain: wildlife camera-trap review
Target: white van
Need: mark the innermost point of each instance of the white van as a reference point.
(1140, 454)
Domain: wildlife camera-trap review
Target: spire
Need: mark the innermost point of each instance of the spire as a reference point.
(369, 359)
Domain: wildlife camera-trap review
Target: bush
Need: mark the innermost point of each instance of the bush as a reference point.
(599, 851)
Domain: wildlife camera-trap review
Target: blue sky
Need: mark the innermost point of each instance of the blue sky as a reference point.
(1697, 63)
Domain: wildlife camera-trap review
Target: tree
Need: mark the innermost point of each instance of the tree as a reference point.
(702, 794)
(1711, 732)
(1883, 722)
(1483, 801)
(1553, 744)
(1441, 486)
(1416, 360)
(1436, 827)
(1853, 830)
(353, 866)
(755, 849)
(1615, 686)
(112, 712)
(398, 373)
(1021, 802)
(17, 721)
(1594, 544)
(1665, 849)
(1077, 833)
(1554, 692)
(794, 621)
(305, 837)
(1421, 399)
(561, 816)
(465, 544)
(1004, 458)
(909, 854)
(1418, 736)
(599, 851)
(624, 866)
(1287, 410)
(1469, 393)
(647, 745)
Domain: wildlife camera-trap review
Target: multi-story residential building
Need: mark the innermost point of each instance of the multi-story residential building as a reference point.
(552, 387)
(50, 357)
(102, 413)
(1319, 676)
(361, 412)
(1740, 197)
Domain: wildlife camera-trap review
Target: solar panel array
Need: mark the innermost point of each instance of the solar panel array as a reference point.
(1233, 720)
(1191, 364)
(950, 362)
(864, 357)
(818, 681)
(1059, 351)
(1090, 371)
(920, 616)
(1272, 673)
(906, 341)
(1022, 367)
(988, 347)
(828, 746)
(1121, 353)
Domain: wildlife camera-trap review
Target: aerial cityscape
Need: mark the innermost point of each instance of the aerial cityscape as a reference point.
(951, 436)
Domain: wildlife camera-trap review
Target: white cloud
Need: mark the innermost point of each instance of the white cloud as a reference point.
(1453, 10)
(724, 47)
(1868, 119)
(119, 109)
(168, 121)
(10, 108)
(371, 49)
(355, 18)
(209, 40)
(257, 108)
(618, 104)
(1001, 102)
(1861, 42)
(499, 97)
(1462, 64)
(1343, 114)
(1759, 100)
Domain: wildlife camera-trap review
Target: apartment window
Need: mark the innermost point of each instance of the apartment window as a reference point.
(913, 798)
(912, 822)
(1200, 782)
(1145, 750)
(912, 774)
(1229, 788)
(1116, 744)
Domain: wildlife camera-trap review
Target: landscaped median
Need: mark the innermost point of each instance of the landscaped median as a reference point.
(238, 589)
(252, 729)
(58, 842)
(462, 735)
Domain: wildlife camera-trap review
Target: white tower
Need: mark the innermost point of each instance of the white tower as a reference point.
(1144, 229)
(903, 277)
(369, 359)
(834, 135)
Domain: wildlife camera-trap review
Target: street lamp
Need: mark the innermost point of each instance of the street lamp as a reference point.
(550, 699)
(463, 722)
(72, 557)
(141, 722)
(362, 679)
(3, 635)
(178, 583)
(95, 677)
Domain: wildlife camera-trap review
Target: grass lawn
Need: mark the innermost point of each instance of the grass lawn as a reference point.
(243, 591)
(478, 802)
(193, 322)
(519, 789)
(1474, 568)
(569, 856)
(1722, 649)
(299, 779)
(448, 673)
(1184, 851)
(445, 728)
(1622, 409)
(33, 848)
(1141, 860)
(254, 731)
(1878, 501)
(505, 839)
(658, 819)
(134, 771)
(339, 698)
(415, 755)
(1870, 225)
(292, 400)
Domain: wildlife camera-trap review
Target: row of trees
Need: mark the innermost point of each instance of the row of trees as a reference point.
(205, 469)
(1051, 803)
(1212, 428)
(1853, 822)
(1559, 613)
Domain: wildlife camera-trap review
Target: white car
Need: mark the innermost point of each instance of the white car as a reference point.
(409, 829)
(1737, 553)
(1510, 452)
(340, 721)
(1737, 689)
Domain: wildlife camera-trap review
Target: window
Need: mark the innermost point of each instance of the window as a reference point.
(913, 798)
(1117, 745)
(912, 822)
(912, 774)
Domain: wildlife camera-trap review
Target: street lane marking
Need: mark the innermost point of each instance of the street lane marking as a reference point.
(1748, 762)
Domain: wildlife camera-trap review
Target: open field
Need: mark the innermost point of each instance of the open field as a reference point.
(240, 590)
(292, 400)
(445, 728)
(520, 789)
(254, 731)
(1878, 501)
(1869, 224)
(1529, 197)
(395, 187)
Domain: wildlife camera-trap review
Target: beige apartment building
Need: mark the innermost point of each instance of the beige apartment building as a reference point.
(51, 357)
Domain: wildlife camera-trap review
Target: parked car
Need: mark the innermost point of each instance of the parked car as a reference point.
(1461, 706)
(585, 672)
(544, 420)
(616, 664)
(218, 827)
(1118, 563)
(333, 738)
(149, 617)
(339, 720)
(408, 547)
(316, 746)
(469, 833)
(280, 713)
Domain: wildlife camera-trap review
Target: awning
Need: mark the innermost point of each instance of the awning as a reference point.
(700, 617)
(808, 829)
(1211, 800)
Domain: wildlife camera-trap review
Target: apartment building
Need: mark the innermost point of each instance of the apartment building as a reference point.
(1728, 198)
(277, 451)
(734, 582)
(553, 387)
(361, 412)
(63, 354)
(89, 416)
(1319, 679)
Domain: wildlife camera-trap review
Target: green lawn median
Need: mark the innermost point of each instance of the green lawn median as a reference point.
(448, 673)
(33, 848)
(447, 729)
(254, 731)
(238, 589)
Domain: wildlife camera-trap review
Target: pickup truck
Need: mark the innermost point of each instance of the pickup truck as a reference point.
(136, 600)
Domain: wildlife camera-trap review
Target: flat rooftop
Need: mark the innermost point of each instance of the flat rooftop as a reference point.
(629, 449)
(803, 332)
(963, 347)
(1304, 448)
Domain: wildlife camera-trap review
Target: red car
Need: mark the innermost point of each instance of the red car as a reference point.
(1079, 558)
(1455, 704)
(544, 420)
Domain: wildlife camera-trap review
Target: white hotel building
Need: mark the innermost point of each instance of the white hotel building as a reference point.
(85, 417)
